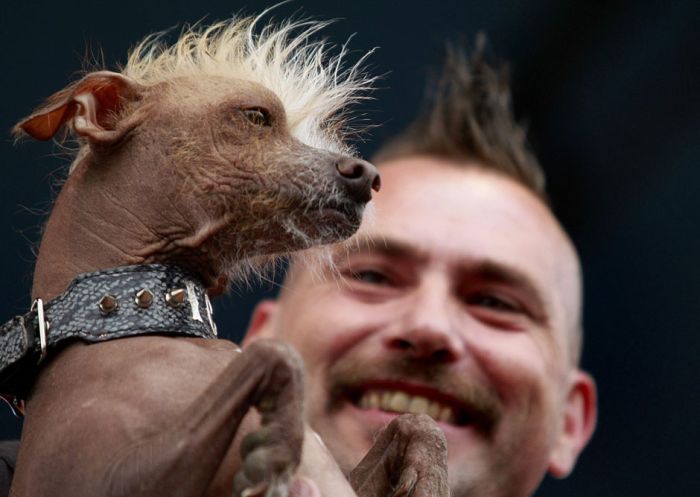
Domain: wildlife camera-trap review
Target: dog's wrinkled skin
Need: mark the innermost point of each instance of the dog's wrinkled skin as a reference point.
(203, 173)
(200, 173)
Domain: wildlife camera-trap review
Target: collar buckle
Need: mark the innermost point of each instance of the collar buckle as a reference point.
(38, 305)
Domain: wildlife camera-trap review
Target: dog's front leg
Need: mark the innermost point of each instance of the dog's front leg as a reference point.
(181, 460)
(409, 457)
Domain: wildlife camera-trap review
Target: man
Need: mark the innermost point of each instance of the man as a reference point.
(461, 298)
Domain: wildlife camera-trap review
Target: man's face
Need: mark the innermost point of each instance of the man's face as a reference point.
(458, 300)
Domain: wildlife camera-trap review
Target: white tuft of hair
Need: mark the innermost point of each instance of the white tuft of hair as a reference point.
(315, 88)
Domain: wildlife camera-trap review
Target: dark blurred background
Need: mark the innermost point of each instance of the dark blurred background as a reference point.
(611, 93)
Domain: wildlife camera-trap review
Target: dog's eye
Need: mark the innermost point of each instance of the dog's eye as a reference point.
(257, 116)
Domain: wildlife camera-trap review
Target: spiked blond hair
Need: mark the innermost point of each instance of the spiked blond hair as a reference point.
(315, 88)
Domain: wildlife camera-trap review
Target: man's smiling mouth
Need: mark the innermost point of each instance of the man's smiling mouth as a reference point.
(401, 402)
(399, 398)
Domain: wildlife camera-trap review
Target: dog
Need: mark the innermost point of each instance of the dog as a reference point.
(197, 163)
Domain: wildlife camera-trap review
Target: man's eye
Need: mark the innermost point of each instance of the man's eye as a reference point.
(493, 302)
(371, 277)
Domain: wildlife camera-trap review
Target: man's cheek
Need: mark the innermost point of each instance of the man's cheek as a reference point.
(522, 385)
(528, 424)
(514, 365)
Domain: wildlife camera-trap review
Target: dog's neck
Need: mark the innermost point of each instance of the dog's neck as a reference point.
(96, 224)
(78, 239)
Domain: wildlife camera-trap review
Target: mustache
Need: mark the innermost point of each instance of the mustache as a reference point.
(480, 401)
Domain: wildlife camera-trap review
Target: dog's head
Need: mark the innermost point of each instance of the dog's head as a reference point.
(224, 147)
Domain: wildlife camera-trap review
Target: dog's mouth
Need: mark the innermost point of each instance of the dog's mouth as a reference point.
(322, 223)
(351, 211)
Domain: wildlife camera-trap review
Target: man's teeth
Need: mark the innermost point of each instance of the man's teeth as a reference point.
(396, 401)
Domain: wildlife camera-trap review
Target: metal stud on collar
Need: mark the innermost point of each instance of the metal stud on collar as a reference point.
(108, 304)
(144, 298)
(175, 298)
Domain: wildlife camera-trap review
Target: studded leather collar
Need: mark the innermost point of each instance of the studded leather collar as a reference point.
(100, 306)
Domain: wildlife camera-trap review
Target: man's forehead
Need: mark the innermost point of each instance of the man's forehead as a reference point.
(428, 205)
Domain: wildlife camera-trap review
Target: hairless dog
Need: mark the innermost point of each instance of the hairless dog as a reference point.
(196, 163)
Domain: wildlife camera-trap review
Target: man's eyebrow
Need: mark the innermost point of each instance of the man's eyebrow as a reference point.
(391, 247)
(496, 271)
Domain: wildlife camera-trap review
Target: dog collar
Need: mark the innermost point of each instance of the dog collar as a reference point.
(100, 306)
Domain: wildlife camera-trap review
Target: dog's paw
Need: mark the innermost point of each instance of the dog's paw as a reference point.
(267, 464)
(409, 458)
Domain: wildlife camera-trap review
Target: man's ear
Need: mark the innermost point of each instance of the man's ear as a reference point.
(261, 322)
(90, 107)
(579, 420)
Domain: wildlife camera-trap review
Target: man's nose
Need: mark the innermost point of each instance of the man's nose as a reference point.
(427, 330)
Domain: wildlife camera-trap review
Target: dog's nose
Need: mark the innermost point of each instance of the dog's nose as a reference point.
(360, 178)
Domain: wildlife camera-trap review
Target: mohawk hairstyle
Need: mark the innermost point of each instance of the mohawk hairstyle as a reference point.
(314, 88)
(467, 116)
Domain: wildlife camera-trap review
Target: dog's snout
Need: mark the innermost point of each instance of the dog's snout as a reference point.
(360, 178)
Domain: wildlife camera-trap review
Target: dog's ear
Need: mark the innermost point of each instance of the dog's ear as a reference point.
(90, 107)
